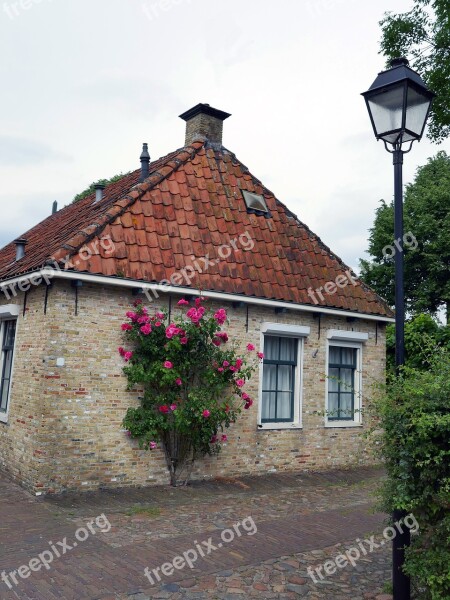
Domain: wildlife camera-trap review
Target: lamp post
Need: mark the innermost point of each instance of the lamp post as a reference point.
(399, 102)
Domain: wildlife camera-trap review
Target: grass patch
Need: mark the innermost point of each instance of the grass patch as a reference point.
(149, 511)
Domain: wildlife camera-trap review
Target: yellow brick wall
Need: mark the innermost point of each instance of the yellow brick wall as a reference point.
(64, 429)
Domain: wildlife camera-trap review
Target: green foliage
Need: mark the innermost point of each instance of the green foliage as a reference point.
(192, 381)
(423, 36)
(427, 218)
(422, 336)
(91, 189)
(413, 440)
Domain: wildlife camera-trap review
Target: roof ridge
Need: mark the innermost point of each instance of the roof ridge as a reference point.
(118, 208)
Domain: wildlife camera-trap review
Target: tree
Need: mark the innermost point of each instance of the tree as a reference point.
(426, 242)
(91, 189)
(422, 336)
(423, 36)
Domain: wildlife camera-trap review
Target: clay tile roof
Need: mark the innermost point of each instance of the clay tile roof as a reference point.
(190, 214)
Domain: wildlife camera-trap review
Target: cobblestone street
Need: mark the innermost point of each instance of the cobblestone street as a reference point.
(300, 521)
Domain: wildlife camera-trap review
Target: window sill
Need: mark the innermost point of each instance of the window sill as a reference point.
(332, 424)
(272, 426)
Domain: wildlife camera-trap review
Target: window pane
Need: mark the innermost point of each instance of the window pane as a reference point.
(8, 329)
(346, 380)
(334, 355)
(348, 356)
(284, 401)
(268, 406)
(346, 406)
(287, 349)
(333, 405)
(271, 347)
(333, 380)
(10, 333)
(270, 377)
(416, 111)
(285, 382)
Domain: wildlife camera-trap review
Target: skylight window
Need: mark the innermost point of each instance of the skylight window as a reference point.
(255, 202)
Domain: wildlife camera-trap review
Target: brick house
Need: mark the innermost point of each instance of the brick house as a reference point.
(196, 219)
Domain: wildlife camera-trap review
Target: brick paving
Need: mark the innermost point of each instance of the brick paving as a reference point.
(301, 520)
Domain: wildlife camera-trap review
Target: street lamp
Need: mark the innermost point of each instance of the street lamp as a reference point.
(399, 102)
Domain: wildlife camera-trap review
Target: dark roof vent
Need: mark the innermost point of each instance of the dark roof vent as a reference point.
(99, 188)
(204, 123)
(145, 163)
(54, 207)
(20, 248)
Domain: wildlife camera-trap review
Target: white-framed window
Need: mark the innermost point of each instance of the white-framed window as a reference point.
(8, 326)
(281, 376)
(343, 389)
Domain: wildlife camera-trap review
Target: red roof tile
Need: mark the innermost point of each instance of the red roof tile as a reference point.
(191, 206)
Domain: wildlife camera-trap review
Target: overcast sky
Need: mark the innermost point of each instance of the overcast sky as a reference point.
(84, 83)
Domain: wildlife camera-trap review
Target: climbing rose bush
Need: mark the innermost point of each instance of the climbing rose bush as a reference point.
(193, 380)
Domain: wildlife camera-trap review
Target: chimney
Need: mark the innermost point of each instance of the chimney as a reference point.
(204, 123)
(145, 163)
(20, 248)
(54, 207)
(99, 187)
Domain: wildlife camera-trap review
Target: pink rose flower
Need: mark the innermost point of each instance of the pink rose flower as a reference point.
(226, 363)
(184, 340)
(163, 409)
(121, 351)
(261, 355)
(216, 341)
(199, 300)
(168, 364)
(213, 440)
(132, 315)
(178, 381)
(248, 404)
(126, 327)
(183, 302)
(224, 438)
(127, 356)
(137, 302)
(220, 316)
(250, 347)
(146, 329)
(173, 407)
(158, 323)
(240, 382)
(220, 369)
(245, 396)
(159, 315)
(143, 320)
(233, 369)
(206, 413)
(239, 363)
(153, 445)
